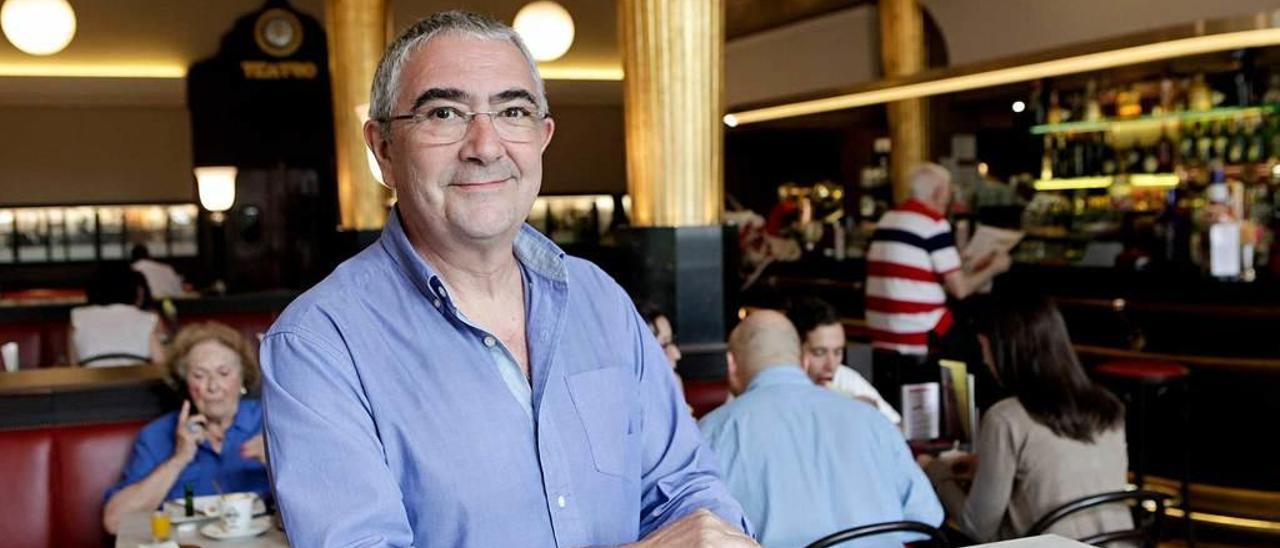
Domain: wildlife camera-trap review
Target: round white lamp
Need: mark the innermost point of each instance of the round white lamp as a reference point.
(546, 28)
(38, 27)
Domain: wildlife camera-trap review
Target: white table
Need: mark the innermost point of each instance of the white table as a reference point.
(1042, 541)
(135, 529)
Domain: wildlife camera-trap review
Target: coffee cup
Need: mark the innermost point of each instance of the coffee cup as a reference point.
(9, 355)
(236, 511)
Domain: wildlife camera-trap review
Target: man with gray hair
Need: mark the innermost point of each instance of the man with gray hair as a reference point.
(804, 461)
(912, 265)
(463, 382)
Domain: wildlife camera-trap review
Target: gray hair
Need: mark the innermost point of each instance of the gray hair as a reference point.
(386, 80)
(926, 178)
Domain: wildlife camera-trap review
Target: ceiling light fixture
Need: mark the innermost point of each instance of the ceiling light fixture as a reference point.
(546, 28)
(38, 27)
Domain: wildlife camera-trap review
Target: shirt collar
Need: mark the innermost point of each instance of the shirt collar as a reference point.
(535, 252)
(248, 416)
(779, 375)
(916, 206)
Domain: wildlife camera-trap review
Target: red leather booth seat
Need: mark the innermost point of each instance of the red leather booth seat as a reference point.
(703, 395)
(54, 479)
(40, 344)
(29, 338)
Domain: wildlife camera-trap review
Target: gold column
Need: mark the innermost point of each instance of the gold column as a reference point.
(357, 36)
(902, 52)
(672, 56)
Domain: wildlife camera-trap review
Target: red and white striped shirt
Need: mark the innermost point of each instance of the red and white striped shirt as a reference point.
(911, 251)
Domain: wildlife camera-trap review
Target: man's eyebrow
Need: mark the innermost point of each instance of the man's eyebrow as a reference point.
(511, 95)
(447, 94)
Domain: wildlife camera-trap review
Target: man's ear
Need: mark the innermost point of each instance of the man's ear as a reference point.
(732, 373)
(381, 148)
(550, 130)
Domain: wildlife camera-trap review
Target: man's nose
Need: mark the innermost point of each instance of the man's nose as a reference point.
(481, 144)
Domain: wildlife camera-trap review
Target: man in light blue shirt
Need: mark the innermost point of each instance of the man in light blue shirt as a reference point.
(463, 382)
(804, 461)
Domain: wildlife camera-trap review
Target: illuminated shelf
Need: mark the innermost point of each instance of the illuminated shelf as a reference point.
(1142, 180)
(1157, 120)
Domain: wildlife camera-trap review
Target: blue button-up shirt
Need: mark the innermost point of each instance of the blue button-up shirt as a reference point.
(233, 473)
(806, 462)
(392, 420)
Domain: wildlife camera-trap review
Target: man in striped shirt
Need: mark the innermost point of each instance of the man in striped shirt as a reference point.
(913, 265)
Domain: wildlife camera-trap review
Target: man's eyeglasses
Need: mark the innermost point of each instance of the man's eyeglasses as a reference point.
(447, 125)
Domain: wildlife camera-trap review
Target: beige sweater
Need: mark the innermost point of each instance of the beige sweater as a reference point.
(1025, 471)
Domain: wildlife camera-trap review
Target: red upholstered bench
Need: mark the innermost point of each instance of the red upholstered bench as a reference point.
(703, 395)
(54, 479)
(30, 341)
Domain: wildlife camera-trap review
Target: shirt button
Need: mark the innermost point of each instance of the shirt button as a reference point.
(435, 302)
(489, 341)
(560, 501)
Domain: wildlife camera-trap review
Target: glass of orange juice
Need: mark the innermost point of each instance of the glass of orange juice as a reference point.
(161, 527)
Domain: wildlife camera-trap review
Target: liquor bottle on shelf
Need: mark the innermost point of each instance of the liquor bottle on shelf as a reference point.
(1092, 109)
(1238, 144)
(1132, 160)
(1255, 150)
(1056, 114)
(1129, 103)
(1079, 165)
(1272, 96)
(1166, 104)
(1273, 138)
(1199, 96)
(1150, 160)
(1187, 145)
(1175, 229)
(1204, 144)
(1164, 152)
(1107, 154)
(1221, 140)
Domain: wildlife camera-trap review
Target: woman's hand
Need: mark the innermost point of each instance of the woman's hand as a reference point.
(254, 449)
(188, 435)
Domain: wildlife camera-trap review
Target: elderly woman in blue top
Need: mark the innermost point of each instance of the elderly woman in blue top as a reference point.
(216, 437)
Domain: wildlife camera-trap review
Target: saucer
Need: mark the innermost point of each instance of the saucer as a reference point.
(256, 527)
(206, 507)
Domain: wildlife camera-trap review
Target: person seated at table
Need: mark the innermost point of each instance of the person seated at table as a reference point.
(1058, 438)
(822, 354)
(214, 443)
(114, 329)
(162, 280)
(803, 461)
(660, 325)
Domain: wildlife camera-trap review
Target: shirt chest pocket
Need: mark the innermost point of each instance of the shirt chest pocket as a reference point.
(605, 400)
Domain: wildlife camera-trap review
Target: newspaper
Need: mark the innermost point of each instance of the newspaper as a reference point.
(987, 240)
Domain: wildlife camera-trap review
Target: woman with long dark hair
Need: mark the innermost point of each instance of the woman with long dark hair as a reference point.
(1058, 438)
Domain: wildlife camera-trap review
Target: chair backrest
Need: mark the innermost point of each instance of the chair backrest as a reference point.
(117, 358)
(936, 538)
(1144, 530)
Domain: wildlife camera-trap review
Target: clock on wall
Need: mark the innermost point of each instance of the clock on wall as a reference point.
(278, 32)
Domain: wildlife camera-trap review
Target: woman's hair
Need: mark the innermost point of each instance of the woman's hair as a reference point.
(1036, 363)
(117, 283)
(188, 337)
(650, 312)
(809, 313)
